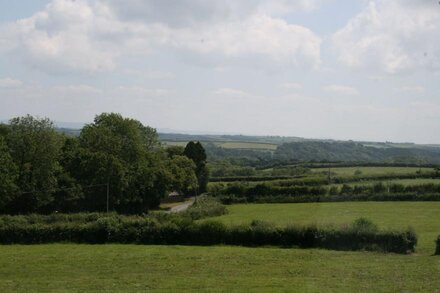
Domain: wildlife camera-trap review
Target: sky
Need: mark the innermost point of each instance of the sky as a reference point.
(341, 69)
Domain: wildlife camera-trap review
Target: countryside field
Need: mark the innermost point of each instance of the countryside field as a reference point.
(372, 171)
(134, 268)
(405, 182)
(424, 217)
(137, 268)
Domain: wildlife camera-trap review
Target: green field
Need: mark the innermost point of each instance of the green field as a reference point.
(248, 145)
(137, 268)
(231, 145)
(405, 182)
(141, 268)
(424, 217)
(175, 143)
(372, 171)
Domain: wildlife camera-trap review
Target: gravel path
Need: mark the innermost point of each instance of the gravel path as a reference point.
(182, 207)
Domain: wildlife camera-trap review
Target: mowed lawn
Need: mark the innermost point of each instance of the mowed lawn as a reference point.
(424, 217)
(139, 268)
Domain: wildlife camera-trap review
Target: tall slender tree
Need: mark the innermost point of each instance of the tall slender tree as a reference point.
(196, 152)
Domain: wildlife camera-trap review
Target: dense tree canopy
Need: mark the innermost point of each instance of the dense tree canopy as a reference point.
(35, 148)
(8, 176)
(44, 171)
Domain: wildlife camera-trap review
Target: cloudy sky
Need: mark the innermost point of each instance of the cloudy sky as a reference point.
(343, 69)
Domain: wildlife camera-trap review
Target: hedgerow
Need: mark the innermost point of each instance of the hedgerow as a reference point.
(172, 229)
(267, 192)
(233, 199)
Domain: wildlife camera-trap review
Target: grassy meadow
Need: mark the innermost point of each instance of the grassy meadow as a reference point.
(424, 217)
(372, 171)
(404, 182)
(138, 268)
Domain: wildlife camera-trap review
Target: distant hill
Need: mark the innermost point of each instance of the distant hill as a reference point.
(291, 149)
(354, 151)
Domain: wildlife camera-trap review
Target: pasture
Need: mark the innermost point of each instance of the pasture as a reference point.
(372, 171)
(404, 182)
(138, 268)
(134, 268)
(424, 217)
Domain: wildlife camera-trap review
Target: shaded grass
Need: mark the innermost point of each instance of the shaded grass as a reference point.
(424, 217)
(131, 268)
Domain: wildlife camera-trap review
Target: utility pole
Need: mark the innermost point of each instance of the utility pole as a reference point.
(328, 177)
(108, 195)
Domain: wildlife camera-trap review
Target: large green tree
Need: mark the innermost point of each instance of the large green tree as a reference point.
(35, 149)
(126, 155)
(8, 176)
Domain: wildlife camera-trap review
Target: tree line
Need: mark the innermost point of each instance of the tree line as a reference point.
(43, 170)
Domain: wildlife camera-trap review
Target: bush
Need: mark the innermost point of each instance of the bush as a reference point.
(363, 225)
(206, 206)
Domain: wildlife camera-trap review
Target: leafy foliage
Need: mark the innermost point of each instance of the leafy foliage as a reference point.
(35, 147)
(9, 173)
(206, 206)
(44, 171)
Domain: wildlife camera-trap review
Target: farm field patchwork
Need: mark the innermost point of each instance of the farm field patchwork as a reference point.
(372, 171)
(138, 268)
(248, 145)
(232, 145)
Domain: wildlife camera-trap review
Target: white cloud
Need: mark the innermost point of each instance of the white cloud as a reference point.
(231, 92)
(184, 13)
(342, 90)
(10, 83)
(392, 36)
(411, 89)
(140, 91)
(258, 36)
(93, 35)
(292, 86)
(77, 89)
(149, 74)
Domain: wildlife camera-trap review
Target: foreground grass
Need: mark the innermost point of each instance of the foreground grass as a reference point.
(424, 217)
(130, 268)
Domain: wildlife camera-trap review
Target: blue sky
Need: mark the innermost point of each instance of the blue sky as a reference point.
(363, 70)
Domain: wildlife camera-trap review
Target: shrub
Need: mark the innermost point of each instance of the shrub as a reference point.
(363, 225)
(206, 206)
